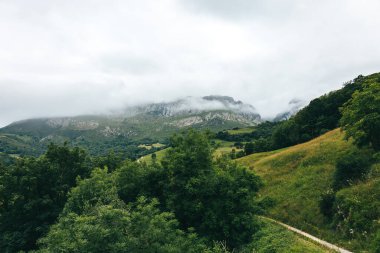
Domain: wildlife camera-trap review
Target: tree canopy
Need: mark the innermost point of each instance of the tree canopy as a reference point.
(96, 220)
(361, 116)
(33, 193)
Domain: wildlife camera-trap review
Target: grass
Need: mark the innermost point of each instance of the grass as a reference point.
(247, 130)
(159, 155)
(224, 148)
(225, 151)
(150, 146)
(275, 238)
(221, 143)
(295, 178)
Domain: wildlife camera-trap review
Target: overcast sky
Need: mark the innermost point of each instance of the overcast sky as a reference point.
(72, 57)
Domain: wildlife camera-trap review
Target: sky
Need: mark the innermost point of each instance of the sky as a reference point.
(65, 58)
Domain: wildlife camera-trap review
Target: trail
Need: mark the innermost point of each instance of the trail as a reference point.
(313, 238)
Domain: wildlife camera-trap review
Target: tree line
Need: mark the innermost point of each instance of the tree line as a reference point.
(189, 202)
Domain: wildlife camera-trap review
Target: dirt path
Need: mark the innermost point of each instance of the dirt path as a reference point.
(313, 238)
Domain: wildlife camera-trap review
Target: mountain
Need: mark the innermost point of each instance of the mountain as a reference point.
(134, 125)
(195, 105)
(293, 107)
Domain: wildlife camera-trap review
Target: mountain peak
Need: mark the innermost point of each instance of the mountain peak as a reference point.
(195, 105)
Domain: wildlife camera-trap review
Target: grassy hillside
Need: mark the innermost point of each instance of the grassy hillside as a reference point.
(274, 238)
(241, 130)
(222, 148)
(296, 177)
(159, 155)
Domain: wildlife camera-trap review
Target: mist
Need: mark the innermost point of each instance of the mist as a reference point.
(64, 58)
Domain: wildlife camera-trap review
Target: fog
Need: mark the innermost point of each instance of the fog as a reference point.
(62, 58)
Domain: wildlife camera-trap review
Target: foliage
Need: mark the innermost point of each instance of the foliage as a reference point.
(99, 189)
(103, 223)
(7, 160)
(159, 155)
(361, 116)
(296, 178)
(216, 198)
(323, 114)
(262, 130)
(275, 239)
(326, 203)
(249, 148)
(33, 193)
(139, 179)
(286, 134)
(111, 161)
(358, 211)
(98, 135)
(375, 247)
(351, 167)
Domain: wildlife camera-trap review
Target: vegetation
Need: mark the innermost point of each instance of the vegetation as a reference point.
(96, 220)
(159, 155)
(99, 135)
(350, 168)
(214, 186)
(33, 193)
(184, 204)
(273, 238)
(263, 130)
(323, 113)
(296, 178)
(191, 196)
(238, 131)
(361, 115)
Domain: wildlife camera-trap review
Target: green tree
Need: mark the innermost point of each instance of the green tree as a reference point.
(326, 203)
(285, 134)
(33, 193)
(351, 167)
(112, 161)
(96, 220)
(361, 116)
(376, 243)
(136, 179)
(249, 148)
(214, 197)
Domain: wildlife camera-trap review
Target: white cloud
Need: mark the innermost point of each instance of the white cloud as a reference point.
(75, 57)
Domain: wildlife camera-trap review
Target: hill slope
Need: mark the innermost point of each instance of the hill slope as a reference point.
(136, 125)
(296, 177)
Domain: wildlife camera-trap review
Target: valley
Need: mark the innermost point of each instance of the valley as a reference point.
(209, 171)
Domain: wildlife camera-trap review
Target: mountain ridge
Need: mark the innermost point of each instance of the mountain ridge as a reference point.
(154, 122)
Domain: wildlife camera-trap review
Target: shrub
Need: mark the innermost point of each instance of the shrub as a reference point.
(351, 167)
(214, 197)
(326, 203)
(376, 243)
(361, 116)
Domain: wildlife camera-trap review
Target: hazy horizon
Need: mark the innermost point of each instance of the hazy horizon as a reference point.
(63, 58)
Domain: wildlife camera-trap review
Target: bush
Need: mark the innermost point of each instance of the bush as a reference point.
(326, 203)
(214, 197)
(33, 192)
(376, 243)
(361, 116)
(96, 220)
(249, 148)
(357, 210)
(351, 167)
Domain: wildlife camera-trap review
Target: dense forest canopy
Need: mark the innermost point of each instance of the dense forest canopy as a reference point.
(190, 199)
